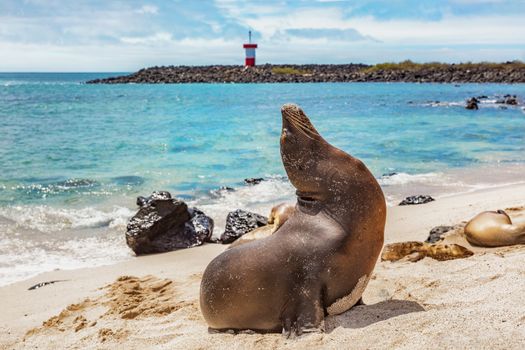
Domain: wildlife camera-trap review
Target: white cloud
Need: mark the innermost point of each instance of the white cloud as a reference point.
(201, 51)
(467, 30)
(481, 30)
(160, 37)
(148, 9)
(105, 40)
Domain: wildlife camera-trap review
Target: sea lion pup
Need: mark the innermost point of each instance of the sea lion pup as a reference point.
(278, 216)
(494, 229)
(322, 257)
(415, 251)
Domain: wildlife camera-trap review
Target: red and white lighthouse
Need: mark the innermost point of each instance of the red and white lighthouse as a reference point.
(250, 51)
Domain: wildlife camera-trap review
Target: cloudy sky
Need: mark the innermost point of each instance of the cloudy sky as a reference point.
(105, 35)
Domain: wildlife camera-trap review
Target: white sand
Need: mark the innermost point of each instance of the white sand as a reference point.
(477, 302)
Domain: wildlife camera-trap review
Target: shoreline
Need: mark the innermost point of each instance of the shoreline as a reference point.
(82, 236)
(407, 71)
(28, 309)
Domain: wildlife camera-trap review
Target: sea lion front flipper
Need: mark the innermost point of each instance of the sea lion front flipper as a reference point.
(308, 316)
(415, 257)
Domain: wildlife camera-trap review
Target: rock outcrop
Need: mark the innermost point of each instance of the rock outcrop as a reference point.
(164, 224)
(472, 103)
(436, 234)
(253, 180)
(240, 222)
(419, 199)
(510, 72)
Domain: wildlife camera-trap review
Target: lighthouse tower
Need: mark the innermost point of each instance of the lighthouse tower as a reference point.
(250, 51)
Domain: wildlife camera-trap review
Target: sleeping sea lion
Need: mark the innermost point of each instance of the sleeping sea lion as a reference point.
(278, 216)
(494, 229)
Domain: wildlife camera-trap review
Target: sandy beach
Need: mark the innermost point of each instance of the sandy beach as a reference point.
(152, 301)
(375, 149)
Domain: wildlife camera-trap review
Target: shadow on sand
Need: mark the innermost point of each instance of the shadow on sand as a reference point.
(365, 315)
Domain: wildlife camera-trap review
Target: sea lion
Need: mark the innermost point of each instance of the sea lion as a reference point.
(319, 262)
(415, 251)
(494, 229)
(278, 216)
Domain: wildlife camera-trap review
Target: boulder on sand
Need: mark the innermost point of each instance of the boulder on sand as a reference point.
(164, 224)
(240, 222)
(413, 200)
(436, 234)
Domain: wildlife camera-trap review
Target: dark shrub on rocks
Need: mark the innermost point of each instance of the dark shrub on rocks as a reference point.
(164, 224)
(240, 222)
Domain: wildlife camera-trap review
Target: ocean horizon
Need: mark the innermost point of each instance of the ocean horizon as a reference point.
(75, 156)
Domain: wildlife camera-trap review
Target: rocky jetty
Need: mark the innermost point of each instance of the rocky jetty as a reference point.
(510, 72)
(164, 224)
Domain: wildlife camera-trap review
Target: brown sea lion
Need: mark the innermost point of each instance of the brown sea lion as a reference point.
(494, 229)
(415, 251)
(278, 216)
(319, 262)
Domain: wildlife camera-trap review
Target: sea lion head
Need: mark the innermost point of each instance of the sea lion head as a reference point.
(325, 177)
(280, 214)
(301, 146)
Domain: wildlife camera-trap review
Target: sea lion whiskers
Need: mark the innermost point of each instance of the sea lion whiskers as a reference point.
(304, 131)
(301, 126)
(296, 118)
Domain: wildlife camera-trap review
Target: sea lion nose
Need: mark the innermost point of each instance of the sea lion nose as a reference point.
(289, 108)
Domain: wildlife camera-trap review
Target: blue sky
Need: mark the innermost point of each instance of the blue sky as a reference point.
(99, 35)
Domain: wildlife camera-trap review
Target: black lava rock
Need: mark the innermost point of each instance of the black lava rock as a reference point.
(253, 180)
(200, 225)
(437, 232)
(472, 103)
(221, 191)
(240, 222)
(164, 224)
(419, 199)
(143, 201)
(511, 100)
(315, 73)
(389, 174)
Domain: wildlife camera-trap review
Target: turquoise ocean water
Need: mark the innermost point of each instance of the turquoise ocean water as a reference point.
(74, 156)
